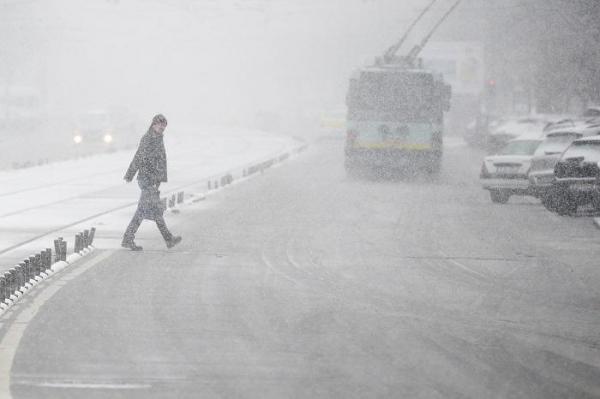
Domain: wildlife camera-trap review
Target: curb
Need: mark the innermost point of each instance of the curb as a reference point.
(232, 176)
(10, 297)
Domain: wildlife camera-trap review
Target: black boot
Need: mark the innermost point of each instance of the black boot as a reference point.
(173, 241)
(129, 243)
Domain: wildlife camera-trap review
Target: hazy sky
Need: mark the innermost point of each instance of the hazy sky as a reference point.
(210, 60)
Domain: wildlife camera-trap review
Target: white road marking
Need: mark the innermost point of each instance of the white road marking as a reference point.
(10, 342)
(463, 266)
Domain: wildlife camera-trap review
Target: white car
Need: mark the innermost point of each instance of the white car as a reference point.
(506, 173)
(511, 128)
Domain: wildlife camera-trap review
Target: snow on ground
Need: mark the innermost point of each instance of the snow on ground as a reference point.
(42, 203)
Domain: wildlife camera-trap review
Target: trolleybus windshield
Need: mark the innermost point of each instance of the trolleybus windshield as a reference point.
(392, 95)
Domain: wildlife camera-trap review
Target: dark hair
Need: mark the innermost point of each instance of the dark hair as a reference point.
(159, 118)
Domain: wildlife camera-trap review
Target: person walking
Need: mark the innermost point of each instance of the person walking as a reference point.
(150, 164)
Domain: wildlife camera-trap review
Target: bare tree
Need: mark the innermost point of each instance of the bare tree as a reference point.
(549, 49)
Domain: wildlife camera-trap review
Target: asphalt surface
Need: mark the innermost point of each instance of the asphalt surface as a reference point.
(303, 283)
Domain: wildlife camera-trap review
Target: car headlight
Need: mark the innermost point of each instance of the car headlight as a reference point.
(108, 138)
(77, 138)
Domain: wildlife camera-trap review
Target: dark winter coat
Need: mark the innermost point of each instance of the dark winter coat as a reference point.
(150, 164)
(150, 205)
(150, 161)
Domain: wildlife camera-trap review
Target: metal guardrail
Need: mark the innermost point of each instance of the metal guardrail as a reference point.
(32, 270)
(173, 200)
(259, 167)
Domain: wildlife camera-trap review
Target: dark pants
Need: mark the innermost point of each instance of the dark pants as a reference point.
(146, 210)
(137, 221)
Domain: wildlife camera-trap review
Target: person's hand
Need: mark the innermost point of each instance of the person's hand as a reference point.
(128, 180)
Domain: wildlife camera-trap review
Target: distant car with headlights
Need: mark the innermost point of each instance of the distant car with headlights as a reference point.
(106, 129)
(541, 174)
(577, 176)
(506, 173)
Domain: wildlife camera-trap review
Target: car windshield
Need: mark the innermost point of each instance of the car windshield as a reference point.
(520, 147)
(588, 150)
(556, 143)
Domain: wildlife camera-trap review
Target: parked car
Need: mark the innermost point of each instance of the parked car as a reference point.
(563, 124)
(592, 112)
(577, 175)
(506, 173)
(541, 174)
(507, 129)
(478, 130)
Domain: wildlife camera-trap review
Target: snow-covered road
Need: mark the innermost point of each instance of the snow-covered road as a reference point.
(42, 203)
(303, 283)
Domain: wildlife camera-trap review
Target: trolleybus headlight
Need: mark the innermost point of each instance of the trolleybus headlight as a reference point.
(108, 138)
(77, 138)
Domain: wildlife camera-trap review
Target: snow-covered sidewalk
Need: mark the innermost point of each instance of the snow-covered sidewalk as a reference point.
(42, 203)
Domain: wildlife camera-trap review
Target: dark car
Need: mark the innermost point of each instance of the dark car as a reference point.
(577, 176)
(541, 174)
(592, 112)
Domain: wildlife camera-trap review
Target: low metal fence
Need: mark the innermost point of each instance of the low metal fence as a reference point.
(15, 281)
